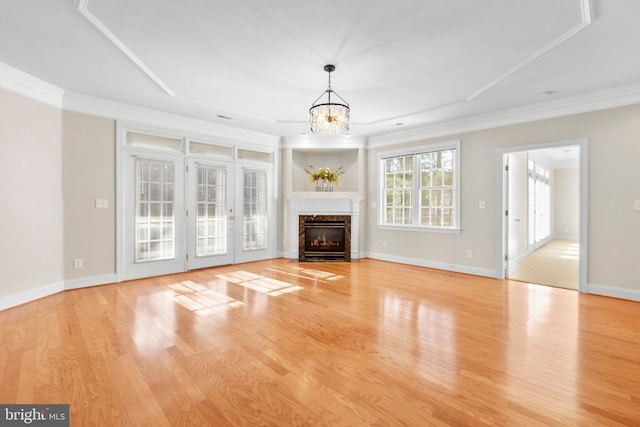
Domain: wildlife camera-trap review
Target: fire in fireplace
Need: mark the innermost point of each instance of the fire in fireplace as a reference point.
(325, 237)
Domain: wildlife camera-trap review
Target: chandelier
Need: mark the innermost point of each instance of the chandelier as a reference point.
(329, 118)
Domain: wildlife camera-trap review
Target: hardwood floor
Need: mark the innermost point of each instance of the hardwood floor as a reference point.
(347, 344)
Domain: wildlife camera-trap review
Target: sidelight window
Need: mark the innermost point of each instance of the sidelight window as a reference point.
(254, 213)
(154, 221)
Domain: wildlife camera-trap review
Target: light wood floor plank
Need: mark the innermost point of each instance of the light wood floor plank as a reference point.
(344, 344)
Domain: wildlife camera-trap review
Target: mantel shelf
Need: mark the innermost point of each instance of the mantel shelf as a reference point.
(325, 195)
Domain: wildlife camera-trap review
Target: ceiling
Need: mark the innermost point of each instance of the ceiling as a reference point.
(258, 64)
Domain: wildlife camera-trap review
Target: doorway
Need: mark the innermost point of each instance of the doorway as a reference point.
(188, 205)
(543, 214)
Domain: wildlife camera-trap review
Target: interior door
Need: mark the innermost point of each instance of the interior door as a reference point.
(154, 219)
(517, 206)
(211, 214)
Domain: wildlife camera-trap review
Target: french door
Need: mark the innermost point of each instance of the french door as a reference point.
(211, 214)
(185, 212)
(154, 227)
(253, 241)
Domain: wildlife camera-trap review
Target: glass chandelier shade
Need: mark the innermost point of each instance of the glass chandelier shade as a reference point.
(327, 117)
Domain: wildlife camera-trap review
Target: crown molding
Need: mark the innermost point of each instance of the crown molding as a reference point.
(324, 142)
(594, 101)
(25, 84)
(129, 113)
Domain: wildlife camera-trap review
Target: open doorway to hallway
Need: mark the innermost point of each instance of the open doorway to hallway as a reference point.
(543, 233)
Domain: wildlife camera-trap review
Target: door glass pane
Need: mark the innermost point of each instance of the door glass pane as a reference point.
(155, 221)
(254, 210)
(211, 217)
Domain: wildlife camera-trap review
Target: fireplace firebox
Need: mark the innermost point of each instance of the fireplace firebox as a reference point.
(325, 238)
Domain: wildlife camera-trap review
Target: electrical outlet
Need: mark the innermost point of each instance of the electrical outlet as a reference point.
(384, 244)
(102, 203)
(77, 263)
(483, 204)
(636, 205)
(469, 253)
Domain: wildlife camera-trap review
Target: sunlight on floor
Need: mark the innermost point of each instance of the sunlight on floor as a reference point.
(202, 300)
(309, 274)
(260, 284)
(572, 252)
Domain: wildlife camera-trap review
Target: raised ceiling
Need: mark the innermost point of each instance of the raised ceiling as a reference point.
(401, 64)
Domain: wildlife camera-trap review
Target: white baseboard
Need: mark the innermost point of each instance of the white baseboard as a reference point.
(85, 282)
(615, 292)
(476, 271)
(32, 295)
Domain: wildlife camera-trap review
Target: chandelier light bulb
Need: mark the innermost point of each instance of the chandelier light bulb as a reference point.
(327, 117)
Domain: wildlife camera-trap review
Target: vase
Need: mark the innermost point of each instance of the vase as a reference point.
(322, 185)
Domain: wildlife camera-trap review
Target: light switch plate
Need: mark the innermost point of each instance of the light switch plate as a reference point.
(483, 204)
(102, 203)
(636, 205)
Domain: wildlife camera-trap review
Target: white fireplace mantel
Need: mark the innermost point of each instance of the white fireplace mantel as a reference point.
(324, 203)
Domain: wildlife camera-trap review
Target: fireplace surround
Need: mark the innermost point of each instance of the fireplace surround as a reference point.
(324, 238)
(328, 204)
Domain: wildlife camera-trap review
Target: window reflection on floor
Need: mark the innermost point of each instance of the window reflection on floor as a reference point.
(202, 300)
(260, 284)
(572, 252)
(309, 273)
(205, 301)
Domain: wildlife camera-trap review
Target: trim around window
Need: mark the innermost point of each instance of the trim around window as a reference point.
(419, 188)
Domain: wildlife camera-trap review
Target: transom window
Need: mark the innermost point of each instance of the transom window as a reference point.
(419, 188)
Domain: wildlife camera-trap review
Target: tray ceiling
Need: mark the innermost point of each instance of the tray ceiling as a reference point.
(400, 64)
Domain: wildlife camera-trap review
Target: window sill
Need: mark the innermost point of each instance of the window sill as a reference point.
(411, 228)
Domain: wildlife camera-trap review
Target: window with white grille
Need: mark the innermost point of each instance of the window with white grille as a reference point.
(419, 188)
(254, 213)
(154, 220)
(211, 219)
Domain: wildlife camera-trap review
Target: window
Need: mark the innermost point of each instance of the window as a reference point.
(211, 217)
(254, 214)
(419, 188)
(539, 203)
(154, 221)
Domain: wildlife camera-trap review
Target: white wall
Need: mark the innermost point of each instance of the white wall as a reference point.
(89, 174)
(31, 187)
(518, 205)
(614, 177)
(566, 204)
(31, 193)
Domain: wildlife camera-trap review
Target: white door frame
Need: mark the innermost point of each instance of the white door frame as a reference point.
(501, 249)
(135, 270)
(122, 150)
(195, 262)
(242, 255)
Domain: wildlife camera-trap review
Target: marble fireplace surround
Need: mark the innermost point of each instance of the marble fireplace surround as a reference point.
(324, 203)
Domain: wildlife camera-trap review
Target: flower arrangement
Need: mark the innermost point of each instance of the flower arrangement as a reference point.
(324, 174)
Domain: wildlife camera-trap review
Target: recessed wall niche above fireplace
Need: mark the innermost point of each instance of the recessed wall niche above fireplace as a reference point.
(324, 238)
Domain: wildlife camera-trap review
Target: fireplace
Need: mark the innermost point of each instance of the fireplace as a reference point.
(324, 238)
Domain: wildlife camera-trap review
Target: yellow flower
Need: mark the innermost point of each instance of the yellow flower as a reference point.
(324, 174)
